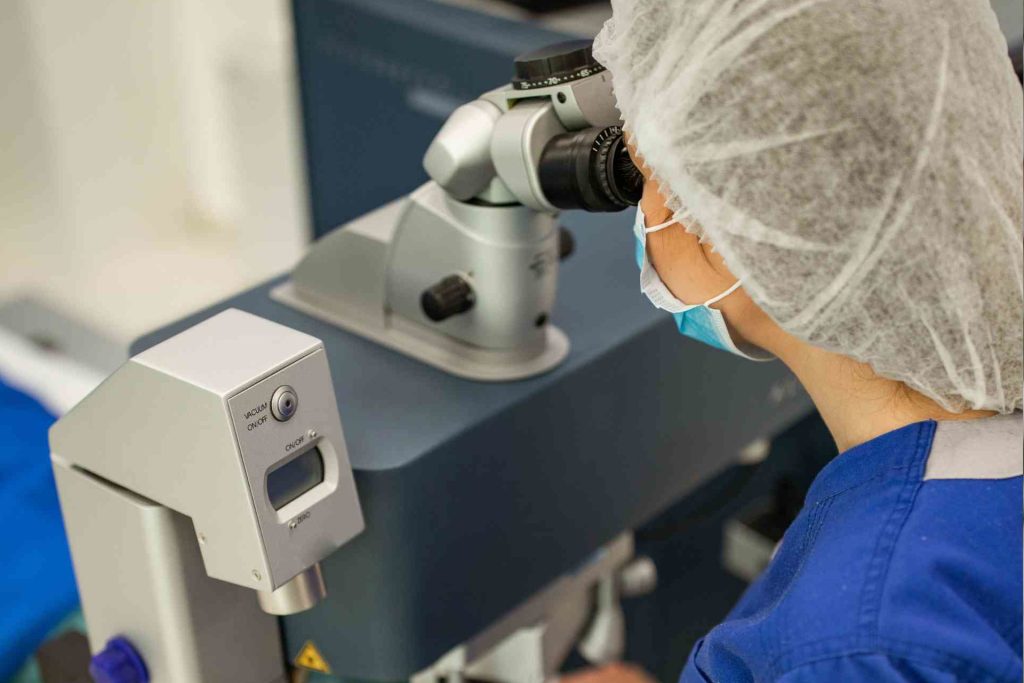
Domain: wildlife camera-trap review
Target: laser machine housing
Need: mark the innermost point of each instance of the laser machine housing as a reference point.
(202, 481)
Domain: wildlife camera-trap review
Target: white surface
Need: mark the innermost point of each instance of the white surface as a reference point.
(228, 351)
(54, 380)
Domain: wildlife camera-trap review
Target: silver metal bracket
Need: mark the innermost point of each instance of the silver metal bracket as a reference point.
(369, 275)
(433, 348)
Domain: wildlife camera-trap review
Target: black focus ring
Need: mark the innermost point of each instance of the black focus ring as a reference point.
(603, 146)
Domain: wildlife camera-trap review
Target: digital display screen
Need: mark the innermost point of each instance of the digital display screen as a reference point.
(291, 480)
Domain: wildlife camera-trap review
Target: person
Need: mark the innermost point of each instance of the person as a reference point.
(838, 185)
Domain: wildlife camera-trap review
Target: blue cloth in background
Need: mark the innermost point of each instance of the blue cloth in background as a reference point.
(883, 578)
(37, 585)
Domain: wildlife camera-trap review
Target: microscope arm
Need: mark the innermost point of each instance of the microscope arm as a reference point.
(490, 149)
(519, 139)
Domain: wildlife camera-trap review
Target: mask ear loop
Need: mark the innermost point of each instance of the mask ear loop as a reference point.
(659, 226)
(713, 300)
(716, 299)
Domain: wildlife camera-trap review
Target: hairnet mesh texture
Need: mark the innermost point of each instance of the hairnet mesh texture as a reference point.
(857, 163)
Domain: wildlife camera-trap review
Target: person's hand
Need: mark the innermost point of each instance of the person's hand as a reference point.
(610, 673)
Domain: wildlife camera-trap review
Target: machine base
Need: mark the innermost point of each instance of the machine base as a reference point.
(434, 348)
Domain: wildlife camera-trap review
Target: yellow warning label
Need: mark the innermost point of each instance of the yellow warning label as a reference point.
(310, 658)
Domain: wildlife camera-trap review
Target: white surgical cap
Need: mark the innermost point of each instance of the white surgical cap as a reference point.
(857, 163)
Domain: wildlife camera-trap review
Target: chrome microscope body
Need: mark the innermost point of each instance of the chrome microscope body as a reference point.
(462, 273)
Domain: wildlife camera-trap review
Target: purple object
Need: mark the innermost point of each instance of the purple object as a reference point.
(118, 662)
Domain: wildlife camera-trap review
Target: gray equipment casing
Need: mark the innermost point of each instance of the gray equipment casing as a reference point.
(184, 432)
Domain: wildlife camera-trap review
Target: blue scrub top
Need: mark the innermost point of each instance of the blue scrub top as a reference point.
(37, 586)
(884, 576)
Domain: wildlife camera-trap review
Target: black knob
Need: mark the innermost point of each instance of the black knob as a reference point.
(555, 64)
(449, 297)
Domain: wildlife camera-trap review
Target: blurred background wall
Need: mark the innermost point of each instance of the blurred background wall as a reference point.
(149, 155)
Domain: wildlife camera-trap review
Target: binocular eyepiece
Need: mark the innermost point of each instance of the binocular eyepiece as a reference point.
(590, 169)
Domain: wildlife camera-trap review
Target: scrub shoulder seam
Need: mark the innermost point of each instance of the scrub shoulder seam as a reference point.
(880, 564)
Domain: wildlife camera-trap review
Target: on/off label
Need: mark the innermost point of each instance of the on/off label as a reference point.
(309, 657)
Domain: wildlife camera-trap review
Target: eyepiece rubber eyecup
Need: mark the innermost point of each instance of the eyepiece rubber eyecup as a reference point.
(589, 169)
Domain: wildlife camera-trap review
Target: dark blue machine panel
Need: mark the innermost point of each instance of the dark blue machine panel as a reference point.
(378, 78)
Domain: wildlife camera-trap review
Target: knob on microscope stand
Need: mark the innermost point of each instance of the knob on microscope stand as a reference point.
(449, 297)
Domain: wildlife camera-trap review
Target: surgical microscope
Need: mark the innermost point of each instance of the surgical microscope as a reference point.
(462, 273)
(210, 495)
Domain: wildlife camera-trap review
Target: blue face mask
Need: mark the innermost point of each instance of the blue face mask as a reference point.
(697, 321)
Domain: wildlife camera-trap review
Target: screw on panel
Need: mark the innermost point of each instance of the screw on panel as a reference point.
(256, 574)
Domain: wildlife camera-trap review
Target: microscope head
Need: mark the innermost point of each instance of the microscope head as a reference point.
(550, 140)
(233, 424)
